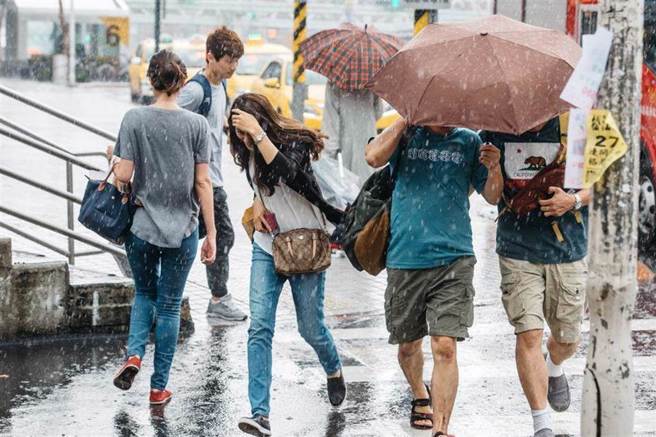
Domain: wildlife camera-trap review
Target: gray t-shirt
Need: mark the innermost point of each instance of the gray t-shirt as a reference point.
(190, 98)
(165, 145)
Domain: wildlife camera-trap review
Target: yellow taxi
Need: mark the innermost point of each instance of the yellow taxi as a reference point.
(257, 55)
(192, 53)
(276, 83)
(389, 116)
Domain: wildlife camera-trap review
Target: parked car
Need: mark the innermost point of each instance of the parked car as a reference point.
(276, 83)
(257, 55)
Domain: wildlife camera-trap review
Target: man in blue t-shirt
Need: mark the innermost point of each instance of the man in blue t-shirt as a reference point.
(543, 268)
(430, 258)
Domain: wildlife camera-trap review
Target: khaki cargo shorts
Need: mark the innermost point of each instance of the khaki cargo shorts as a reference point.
(436, 302)
(535, 293)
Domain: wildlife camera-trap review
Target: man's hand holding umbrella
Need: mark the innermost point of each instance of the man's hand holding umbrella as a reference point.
(489, 157)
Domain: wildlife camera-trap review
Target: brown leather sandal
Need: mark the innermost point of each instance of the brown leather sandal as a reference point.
(415, 416)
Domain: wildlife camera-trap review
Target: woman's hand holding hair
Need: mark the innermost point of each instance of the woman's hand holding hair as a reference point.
(245, 122)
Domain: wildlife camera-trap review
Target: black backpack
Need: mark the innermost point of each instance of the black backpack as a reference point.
(375, 198)
(205, 106)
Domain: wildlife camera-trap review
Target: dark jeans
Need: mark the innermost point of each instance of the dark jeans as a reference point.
(159, 278)
(217, 273)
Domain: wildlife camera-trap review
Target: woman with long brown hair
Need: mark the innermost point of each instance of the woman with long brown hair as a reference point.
(276, 152)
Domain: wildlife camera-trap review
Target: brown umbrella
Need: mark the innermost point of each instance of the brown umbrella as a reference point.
(349, 56)
(495, 73)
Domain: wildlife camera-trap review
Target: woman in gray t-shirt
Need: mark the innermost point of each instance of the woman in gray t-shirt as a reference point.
(164, 150)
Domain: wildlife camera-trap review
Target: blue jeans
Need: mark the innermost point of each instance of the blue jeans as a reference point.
(159, 277)
(308, 293)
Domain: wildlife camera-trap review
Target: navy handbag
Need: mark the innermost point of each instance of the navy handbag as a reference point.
(106, 210)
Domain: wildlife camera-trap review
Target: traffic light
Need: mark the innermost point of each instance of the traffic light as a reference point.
(396, 4)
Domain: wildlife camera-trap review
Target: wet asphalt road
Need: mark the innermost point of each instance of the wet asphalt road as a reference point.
(62, 387)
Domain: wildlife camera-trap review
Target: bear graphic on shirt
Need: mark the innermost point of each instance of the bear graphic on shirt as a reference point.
(535, 163)
(522, 161)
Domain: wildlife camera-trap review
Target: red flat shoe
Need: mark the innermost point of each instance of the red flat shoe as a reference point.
(125, 375)
(160, 397)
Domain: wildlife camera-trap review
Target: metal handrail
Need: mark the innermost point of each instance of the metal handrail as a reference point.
(28, 133)
(27, 137)
(84, 154)
(25, 131)
(54, 112)
(44, 243)
(63, 194)
(66, 156)
(31, 237)
(63, 231)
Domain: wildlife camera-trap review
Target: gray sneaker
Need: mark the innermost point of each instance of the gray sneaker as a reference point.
(558, 394)
(255, 425)
(226, 309)
(546, 432)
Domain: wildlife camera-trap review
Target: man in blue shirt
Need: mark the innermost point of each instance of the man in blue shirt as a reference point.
(543, 268)
(430, 259)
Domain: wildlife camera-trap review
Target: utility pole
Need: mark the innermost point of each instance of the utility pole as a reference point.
(424, 17)
(158, 15)
(300, 33)
(64, 28)
(608, 387)
(71, 46)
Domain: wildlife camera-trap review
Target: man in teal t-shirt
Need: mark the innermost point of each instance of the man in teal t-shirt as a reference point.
(543, 268)
(430, 259)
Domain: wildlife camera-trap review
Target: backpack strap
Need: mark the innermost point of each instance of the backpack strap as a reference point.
(562, 154)
(557, 231)
(224, 82)
(206, 104)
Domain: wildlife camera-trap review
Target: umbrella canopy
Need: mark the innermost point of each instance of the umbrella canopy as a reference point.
(495, 73)
(348, 56)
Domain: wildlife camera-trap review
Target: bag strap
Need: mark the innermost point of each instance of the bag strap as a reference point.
(205, 106)
(312, 207)
(102, 184)
(224, 82)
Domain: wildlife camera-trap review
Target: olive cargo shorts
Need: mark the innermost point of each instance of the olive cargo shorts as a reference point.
(436, 302)
(534, 293)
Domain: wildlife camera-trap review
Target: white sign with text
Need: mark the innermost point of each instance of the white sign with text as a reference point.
(576, 139)
(583, 85)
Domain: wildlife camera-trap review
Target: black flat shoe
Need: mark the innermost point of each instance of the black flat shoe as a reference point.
(336, 389)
